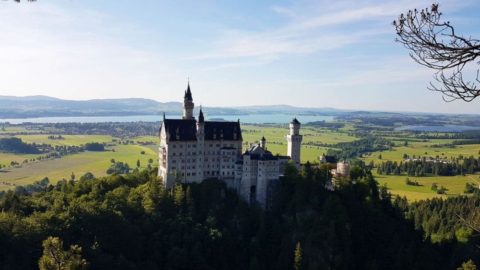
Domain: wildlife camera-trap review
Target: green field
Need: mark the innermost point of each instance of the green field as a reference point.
(80, 163)
(424, 149)
(455, 185)
(396, 184)
(68, 139)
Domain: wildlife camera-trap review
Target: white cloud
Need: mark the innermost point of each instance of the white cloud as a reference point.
(323, 26)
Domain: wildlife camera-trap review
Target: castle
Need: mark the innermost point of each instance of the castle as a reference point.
(193, 150)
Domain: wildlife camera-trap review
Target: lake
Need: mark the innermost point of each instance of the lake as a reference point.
(444, 128)
(249, 118)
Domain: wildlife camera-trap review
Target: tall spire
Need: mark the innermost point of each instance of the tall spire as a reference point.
(188, 104)
(201, 119)
(188, 93)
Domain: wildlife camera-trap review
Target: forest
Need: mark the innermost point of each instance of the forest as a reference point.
(15, 145)
(131, 222)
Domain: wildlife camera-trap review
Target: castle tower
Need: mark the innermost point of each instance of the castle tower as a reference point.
(263, 143)
(188, 104)
(200, 146)
(294, 140)
(343, 169)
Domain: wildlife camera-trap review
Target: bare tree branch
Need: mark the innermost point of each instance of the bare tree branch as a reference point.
(435, 44)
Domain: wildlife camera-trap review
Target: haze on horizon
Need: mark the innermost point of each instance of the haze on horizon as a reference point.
(338, 54)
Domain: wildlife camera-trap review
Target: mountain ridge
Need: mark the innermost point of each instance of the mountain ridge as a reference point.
(45, 106)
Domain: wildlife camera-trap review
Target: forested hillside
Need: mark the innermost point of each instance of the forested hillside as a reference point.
(131, 222)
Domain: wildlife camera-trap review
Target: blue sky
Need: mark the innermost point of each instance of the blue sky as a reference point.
(318, 53)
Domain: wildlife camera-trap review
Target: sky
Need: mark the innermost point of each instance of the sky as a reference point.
(320, 53)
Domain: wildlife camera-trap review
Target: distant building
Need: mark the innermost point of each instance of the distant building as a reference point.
(343, 169)
(324, 159)
(341, 172)
(294, 140)
(192, 150)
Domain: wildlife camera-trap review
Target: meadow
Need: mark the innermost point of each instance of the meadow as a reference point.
(78, 164)
(455, 185)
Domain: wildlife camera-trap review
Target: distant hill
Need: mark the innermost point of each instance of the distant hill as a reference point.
(44, 106)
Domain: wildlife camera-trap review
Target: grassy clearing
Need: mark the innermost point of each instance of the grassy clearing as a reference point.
(424, 149)
(397, 185)
(68, 139)
(94, 162)
(146, 139)
(455, 185)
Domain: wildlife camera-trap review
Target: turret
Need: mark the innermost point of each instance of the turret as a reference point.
(201, 122)
(295, 127)
(200, 146)
(263, 143)
(294, 140)
(188, 104)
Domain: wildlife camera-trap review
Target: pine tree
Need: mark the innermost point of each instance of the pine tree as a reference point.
(55, 258)
(178, 194)
(469, 265)
(297, 261)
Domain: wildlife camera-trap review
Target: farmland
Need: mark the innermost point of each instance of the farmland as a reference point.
(78, 163)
